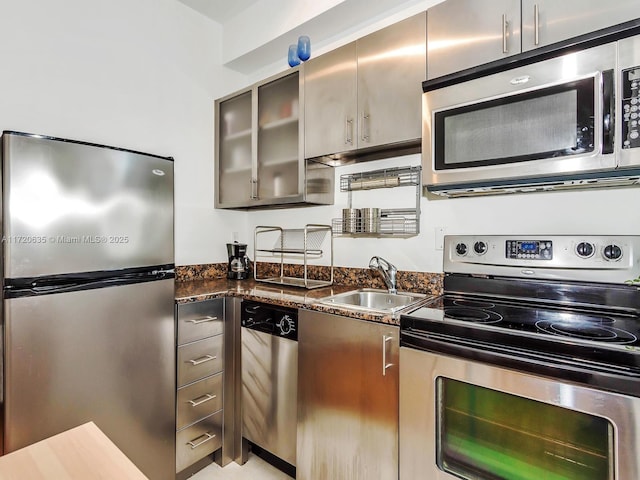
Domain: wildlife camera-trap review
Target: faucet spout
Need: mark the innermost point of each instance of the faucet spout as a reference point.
(387, 270)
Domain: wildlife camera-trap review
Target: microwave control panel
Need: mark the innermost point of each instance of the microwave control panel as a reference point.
(631, 107)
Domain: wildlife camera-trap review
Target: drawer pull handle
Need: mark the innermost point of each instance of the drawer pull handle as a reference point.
(207, 436)
(200, 400)
(197, 321)
(198, 361)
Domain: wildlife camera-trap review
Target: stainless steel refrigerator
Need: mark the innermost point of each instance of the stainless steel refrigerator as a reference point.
(88, 313)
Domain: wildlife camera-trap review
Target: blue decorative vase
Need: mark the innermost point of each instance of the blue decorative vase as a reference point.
(304, 48)
(293, 56)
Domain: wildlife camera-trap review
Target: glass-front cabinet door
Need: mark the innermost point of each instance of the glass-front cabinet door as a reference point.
(234, 150)
(279, 132)
(259, 142)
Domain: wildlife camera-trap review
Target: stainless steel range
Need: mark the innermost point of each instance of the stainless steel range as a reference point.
(529, 365)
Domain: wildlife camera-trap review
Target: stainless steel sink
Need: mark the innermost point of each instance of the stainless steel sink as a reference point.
(373, 300)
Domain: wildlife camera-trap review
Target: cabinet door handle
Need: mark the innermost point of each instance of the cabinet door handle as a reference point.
(197, 321)
(505, 28)
(207, 436)
(364, 127)
(536, 25)
(385, 340)
(200, 400)
(254, 189)
(348, 131)
(198, 361)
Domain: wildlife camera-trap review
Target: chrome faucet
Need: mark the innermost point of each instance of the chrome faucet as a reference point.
(387, 270)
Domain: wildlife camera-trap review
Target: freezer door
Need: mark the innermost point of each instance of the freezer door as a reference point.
(105, 355)
(71, 207)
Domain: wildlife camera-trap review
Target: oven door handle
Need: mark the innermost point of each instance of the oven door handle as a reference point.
(608, 113)
(478, 350)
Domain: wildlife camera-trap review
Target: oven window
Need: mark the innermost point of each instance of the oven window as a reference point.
(551, 122)
(486, 434)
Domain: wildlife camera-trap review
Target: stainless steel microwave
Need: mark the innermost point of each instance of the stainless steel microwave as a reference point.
(564, 122)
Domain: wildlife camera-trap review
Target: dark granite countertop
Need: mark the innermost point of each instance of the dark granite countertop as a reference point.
(293, 297)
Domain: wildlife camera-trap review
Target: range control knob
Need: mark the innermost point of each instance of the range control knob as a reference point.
(286, 325)
(612, 252)
(480, 248)
(584, 249)
(461, 249)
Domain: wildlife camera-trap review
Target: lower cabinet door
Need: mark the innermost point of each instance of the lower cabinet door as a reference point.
(198, 441)
(347, 398)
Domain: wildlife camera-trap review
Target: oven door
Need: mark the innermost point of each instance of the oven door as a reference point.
(464, 419)
(543, 120)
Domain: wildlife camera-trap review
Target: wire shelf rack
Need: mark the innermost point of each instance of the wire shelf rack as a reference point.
(398, 222)
(312, 242)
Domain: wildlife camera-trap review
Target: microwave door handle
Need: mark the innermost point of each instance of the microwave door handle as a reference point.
(608, 114)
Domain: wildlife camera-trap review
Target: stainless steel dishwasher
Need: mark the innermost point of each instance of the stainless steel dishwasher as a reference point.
(269, 379)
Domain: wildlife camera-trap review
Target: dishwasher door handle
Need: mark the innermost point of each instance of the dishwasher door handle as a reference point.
(386, 339)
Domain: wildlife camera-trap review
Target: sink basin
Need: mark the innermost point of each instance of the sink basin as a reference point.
(373, 300)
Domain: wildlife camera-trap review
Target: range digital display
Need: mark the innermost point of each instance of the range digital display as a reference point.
(529, 249)
(528, 246)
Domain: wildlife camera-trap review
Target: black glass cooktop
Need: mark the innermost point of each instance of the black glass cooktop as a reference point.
(599, 348)
(604, 328)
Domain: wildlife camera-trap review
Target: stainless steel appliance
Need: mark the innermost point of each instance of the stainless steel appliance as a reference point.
(238, 268)
(270, 378)
(89, 330)
(529, 365)
(569, 121)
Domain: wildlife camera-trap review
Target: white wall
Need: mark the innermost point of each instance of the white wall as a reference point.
(597, 212)
(137, 74)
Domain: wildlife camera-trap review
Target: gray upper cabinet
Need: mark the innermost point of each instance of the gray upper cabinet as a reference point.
(367, 94)
(549, 21)
(467, 33)
(259, 148)
(391, 69)
(331, 102)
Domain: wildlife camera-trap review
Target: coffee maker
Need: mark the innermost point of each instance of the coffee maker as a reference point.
(238, 261)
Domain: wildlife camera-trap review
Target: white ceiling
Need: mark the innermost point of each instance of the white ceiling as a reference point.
(219, 10)
(256, 34)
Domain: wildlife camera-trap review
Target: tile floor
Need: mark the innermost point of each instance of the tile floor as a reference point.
(254, 469)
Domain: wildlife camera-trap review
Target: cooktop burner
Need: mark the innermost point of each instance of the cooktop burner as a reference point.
(588, 331)
(469, 314)
(533, 319)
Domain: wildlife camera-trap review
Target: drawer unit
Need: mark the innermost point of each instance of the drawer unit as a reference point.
(199, 359)
(199, 400)
(200, 384)
(198, 441)
(197, 320)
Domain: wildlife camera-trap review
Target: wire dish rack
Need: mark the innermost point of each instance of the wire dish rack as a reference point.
(312, 243)
(401, 222)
